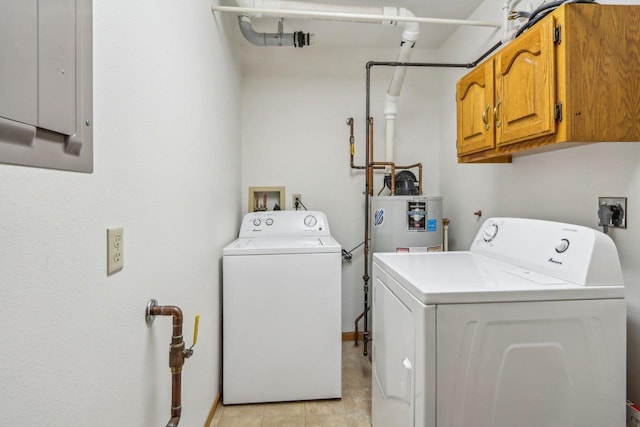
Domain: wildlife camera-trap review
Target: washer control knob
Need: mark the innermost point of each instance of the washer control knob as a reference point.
(257, 222)
(269, 221)
(310, 221)
(489, 232)
(562, 246)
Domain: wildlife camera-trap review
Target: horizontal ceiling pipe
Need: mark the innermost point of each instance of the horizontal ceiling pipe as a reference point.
(314, 7)
(344, 16)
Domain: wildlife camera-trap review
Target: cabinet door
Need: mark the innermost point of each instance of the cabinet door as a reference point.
(525, 86)
(474, 98)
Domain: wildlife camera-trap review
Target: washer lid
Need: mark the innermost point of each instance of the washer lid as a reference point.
(282, 245)
(465, 277)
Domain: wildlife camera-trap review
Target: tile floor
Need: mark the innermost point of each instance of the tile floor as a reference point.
(353, 410)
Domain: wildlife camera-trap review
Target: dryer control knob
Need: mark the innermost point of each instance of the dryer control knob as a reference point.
(257, 222)
(562, 246)
(489, 232)
(310, 220)
(269, 221)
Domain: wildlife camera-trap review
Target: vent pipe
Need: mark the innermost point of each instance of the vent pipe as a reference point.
(295, 39)
(409, 38)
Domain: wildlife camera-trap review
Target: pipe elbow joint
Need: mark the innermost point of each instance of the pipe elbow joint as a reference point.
(411, 29)
(296, 39)
(389, 12)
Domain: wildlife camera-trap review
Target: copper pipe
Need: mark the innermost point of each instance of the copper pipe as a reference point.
(371, 165)
(397, 166)
(177, 354)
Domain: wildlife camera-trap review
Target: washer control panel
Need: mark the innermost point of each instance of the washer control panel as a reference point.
(572, 252)
(284, 224)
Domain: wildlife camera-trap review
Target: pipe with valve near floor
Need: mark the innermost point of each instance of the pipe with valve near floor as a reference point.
(177, 352)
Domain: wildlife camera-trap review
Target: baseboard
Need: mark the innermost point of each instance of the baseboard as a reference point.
(214, 407)
(351, 336)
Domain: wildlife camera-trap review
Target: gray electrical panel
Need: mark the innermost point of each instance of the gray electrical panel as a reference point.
(406, 224)
(46, 83)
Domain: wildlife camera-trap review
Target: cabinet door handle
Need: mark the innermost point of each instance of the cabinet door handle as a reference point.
(485, 120)
(495, 114)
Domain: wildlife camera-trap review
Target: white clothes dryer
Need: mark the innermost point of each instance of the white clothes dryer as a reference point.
(281, 303)
(526, 329)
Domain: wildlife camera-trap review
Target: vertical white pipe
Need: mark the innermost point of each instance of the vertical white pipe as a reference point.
(445, 238)
(409, 37)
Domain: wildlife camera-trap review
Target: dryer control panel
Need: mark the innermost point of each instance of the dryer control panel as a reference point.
(284, 224)
(570, 252)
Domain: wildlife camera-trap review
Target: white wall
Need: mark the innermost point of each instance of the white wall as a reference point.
(75, 347)
(561, 186)
(294, 134)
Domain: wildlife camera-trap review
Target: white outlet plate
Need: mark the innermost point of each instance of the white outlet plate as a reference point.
(115, 249)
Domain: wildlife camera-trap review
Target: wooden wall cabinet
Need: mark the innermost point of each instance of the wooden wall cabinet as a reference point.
(572, 78)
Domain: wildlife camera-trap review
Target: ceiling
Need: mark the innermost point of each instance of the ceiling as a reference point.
(353, 34)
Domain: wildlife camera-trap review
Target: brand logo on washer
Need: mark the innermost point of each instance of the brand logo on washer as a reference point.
(555, 261)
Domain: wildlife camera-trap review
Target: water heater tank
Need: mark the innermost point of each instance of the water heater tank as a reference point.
(406, 224)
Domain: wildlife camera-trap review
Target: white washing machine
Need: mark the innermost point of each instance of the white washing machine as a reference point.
(282, 310)
(526, 329)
